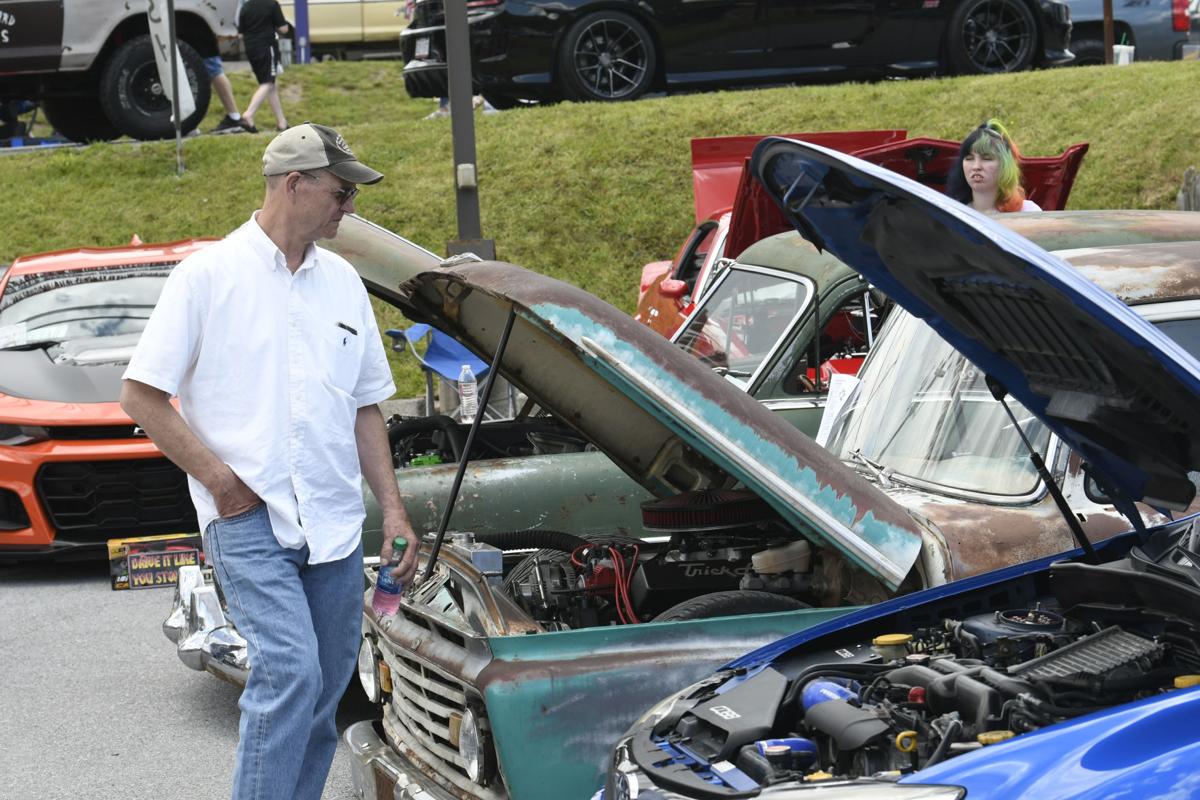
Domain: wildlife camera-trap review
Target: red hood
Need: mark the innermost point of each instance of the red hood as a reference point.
(1048, 181)
(717, 162)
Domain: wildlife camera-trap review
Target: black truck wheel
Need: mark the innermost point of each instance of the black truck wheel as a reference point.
(134, 97)
(80, 119)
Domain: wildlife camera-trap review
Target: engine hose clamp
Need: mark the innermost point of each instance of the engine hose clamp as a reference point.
(906, 741)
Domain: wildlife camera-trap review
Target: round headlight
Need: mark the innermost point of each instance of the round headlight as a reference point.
(368, 671)
(472, 747)
(625, 786)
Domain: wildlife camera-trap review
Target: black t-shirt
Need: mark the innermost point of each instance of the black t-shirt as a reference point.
(259, 20)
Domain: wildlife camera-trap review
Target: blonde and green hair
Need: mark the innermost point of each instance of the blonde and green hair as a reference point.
(991, 139)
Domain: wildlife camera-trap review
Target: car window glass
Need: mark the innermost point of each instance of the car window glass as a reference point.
(1184, 332)
(923, 412)
(740, 321)
(77, 304)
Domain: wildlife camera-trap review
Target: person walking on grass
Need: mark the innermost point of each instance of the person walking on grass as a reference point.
(260, 23)
(271, 345)
(232, 122)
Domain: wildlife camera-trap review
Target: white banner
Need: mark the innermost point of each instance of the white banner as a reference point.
(160, 36)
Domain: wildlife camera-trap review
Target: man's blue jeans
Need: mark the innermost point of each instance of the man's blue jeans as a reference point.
(302, 623)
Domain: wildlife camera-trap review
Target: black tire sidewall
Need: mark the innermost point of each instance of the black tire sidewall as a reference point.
(956, 46)
(572, 87)
(122, 108)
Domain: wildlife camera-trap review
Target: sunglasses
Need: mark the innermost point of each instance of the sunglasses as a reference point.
(343, 195)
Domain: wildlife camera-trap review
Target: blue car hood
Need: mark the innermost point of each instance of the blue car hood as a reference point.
(1119, 392)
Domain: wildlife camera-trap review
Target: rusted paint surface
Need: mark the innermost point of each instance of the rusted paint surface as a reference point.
(1056, 230)
(1147, 273)
(672, 423)
(570, 695)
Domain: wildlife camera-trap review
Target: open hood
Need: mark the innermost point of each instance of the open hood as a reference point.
(662, 416)
(717, 162)
(1119, 392)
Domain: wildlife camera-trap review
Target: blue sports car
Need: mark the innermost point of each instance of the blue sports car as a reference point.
(1065, 677)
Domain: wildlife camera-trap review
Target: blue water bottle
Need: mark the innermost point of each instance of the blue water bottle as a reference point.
(386, 599)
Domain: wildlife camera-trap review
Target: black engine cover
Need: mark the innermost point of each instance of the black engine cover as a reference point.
(658, 585)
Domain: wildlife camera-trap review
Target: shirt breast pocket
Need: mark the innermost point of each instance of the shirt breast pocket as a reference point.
(344, 356)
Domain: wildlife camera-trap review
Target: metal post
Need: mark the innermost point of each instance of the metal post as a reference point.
(302, 49)
(1108, 32)
(486, 397)
(462, 129)
(173, 59)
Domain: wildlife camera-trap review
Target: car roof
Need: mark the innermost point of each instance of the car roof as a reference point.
(1091, 232)
(1141, 273)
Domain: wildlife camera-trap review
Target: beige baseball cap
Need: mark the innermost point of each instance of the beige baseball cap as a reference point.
(312, 146)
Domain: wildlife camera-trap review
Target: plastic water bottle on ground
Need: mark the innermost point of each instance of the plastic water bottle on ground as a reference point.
(386, 598)
(468, 403)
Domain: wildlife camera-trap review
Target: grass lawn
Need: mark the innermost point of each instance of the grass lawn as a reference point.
(586, 192)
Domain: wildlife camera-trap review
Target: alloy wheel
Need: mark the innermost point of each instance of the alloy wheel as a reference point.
(611, 59)
(997, 37)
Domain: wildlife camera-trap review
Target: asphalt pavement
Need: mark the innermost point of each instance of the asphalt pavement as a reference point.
(95, 704)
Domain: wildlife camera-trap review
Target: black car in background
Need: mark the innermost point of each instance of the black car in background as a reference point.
(621, 49)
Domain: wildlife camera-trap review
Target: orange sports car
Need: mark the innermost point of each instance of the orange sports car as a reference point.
(74, 469)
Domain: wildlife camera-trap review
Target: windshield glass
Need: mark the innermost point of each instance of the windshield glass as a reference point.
(739, 322)
(76, 304)
(923, 411)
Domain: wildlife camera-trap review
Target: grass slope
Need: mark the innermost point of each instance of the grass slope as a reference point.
(586, 192)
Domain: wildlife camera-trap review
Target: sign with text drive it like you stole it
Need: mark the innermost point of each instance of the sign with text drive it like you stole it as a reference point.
(147, 562)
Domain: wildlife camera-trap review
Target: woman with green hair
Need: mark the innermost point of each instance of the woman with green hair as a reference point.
(987, 176)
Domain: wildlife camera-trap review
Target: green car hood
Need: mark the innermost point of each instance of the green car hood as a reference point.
(660, 415)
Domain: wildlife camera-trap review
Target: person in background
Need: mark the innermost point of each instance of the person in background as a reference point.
(987, 174)
(276, 433)
(260, 23)
(232, 122)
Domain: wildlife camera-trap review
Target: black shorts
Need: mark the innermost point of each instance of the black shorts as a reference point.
(264, 60)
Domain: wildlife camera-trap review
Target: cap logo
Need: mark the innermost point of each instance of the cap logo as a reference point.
(340, 144)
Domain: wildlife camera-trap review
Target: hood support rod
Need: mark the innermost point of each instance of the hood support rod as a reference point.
(999, 392)
(466, 452)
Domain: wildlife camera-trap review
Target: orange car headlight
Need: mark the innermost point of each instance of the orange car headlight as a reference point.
(15, 435)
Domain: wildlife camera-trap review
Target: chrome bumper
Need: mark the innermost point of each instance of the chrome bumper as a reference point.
(206, 640)
(380, 772)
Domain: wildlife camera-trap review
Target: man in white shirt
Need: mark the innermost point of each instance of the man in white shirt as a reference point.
(271, 345)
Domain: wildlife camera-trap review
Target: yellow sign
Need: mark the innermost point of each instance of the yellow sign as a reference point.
(146, 562)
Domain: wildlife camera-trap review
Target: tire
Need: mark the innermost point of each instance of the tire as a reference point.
(607, 56)
(133, 98)
(80, 119)
(989, 36)
(1087, 52)
(729, 604)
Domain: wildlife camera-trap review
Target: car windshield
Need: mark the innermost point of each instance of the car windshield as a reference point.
(79, 304)
(738, 323)
(923, 412)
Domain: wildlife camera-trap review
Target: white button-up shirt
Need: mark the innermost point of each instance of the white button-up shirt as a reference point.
(271, 368)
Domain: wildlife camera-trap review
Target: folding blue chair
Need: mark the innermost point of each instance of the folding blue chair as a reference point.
(443, 355)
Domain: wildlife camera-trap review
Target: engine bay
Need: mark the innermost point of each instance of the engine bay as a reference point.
(905, 699)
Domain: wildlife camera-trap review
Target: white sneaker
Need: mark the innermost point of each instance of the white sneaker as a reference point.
(438, 113)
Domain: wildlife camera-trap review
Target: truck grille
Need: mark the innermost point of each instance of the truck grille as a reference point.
(87, 432)
(97, 500)
(424, 699)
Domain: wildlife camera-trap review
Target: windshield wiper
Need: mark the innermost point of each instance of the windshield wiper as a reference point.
(875, 468)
